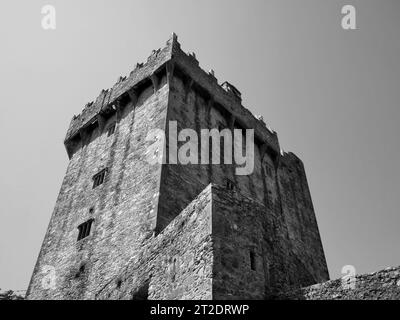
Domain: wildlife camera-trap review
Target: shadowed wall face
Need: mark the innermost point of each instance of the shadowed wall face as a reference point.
(285, 235)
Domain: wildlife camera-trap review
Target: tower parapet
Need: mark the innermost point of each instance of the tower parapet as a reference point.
(186, 65)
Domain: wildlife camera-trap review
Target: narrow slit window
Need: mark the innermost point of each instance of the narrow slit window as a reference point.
(84, 229)
(229, 184)
(98, 178)
(252, 261)
(268, 169)
(111, 130)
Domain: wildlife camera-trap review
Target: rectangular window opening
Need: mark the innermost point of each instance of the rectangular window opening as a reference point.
(84, 229)
(98, 178)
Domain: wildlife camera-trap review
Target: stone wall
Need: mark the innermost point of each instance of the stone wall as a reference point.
(299, 217)
(381, 285)
(243, 234)
(11, 295)
(124, 207)
(254, 257)
(223, 245)
(176, 264)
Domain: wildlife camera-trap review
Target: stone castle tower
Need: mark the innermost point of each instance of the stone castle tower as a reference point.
(127, 228)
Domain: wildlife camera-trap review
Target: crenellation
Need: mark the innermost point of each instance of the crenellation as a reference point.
(228, 100)
(124, 84)
(167, 58)
(193, 58)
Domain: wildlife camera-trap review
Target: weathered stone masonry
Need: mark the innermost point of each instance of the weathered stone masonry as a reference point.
(381, 285)
(176, 231)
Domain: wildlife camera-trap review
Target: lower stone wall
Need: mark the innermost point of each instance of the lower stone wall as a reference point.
(254, 257)
(10, 295)
(381, 285)
(176, 264)
(226, 246)
(242, 254)
(223, 245)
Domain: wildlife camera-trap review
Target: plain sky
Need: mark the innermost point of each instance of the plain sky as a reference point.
(331, 94)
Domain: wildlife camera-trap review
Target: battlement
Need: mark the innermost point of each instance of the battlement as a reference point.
(108, 100)
(230, 88)
(169, 61)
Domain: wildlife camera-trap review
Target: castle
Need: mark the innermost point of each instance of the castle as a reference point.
(125, 228)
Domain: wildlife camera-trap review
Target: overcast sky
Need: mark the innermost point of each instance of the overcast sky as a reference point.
(332, 95)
